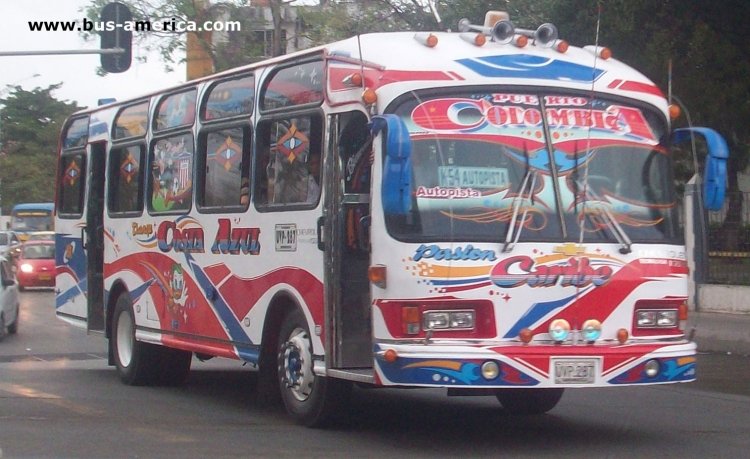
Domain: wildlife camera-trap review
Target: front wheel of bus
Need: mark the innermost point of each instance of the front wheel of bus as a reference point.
(136, 361)
(311, 400)
(529, 401)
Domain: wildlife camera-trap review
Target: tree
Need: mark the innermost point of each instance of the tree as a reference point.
(30, 123)
(224, 49)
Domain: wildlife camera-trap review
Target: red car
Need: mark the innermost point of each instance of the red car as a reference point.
(35, 266)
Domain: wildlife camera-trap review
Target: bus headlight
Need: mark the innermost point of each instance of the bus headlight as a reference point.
(27, 268)
(657, 318)
(448, 320)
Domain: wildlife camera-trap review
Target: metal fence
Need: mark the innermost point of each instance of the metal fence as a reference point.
(729, 241)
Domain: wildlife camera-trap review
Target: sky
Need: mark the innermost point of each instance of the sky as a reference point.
(76, 72)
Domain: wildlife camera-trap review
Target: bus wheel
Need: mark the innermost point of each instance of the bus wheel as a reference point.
(529, 401)
(137, 362)
(311, 400)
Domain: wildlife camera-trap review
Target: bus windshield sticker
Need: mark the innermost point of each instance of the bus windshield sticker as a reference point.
(473, 177)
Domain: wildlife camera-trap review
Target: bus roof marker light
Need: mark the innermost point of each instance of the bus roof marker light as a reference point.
(599, 51)
(476, 39)
(520, 41)
(353, 80)
(428, 39)
(561, 46)
(674, 111)
(369, 96)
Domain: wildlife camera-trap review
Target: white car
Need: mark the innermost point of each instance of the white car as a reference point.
(9, 305)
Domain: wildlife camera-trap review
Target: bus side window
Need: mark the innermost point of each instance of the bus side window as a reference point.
(72, 184)
(172, 173)
(225, 156)
(125, 179)
(289, 161)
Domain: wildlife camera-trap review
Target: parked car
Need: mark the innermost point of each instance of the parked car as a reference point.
(42, 236)
(35, 266)
(10, 245)
(9, 304)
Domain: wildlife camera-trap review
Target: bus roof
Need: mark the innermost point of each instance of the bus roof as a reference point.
(401, 57)
(34, 206)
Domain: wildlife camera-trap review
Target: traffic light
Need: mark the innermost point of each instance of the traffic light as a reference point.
(115, 34)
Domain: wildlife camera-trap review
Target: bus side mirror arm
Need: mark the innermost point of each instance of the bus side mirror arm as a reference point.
(715, 171)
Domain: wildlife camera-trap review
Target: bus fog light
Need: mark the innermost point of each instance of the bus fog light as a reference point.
(559, 330)
(591, 330)
(490, 370)
(652, 368)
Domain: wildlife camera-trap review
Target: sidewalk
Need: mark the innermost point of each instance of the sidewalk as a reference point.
(720, 332)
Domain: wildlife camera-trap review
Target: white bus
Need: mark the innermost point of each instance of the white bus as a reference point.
(489, 211)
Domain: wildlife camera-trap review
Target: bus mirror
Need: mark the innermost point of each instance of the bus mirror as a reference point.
(715, 171)
(396, 186)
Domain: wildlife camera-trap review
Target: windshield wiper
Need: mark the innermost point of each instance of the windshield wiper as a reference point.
(612, 224)
(529, 179)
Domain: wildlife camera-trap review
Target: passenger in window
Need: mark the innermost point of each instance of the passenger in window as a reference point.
(245, 191)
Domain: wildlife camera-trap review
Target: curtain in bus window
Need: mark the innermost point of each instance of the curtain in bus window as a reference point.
(613, 168)
(71, 184)
(226, 184)
(172, 173)
(176, 110)
(291, 163)
(126, 187)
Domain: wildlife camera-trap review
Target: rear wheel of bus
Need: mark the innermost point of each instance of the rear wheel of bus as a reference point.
(529, 401)
(310, 399)
(140, 363)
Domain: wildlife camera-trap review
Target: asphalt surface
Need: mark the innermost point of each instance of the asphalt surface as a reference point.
(720, 332)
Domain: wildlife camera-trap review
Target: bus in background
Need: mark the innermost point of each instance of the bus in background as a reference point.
(491, 212)
(29, 218)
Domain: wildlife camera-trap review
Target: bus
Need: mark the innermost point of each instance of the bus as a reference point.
(28, 218)
(490, 211)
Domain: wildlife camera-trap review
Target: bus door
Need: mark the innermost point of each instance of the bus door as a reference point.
(93, 242)
(79, 289)
(348, 294)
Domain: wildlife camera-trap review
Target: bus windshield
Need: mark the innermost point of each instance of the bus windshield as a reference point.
(25, 218)
(482, 171)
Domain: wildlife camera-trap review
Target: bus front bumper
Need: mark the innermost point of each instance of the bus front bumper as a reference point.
(438, 365)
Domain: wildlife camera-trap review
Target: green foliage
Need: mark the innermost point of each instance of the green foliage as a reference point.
(30, 123)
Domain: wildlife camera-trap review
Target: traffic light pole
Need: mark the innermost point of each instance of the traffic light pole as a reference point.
(63, 51)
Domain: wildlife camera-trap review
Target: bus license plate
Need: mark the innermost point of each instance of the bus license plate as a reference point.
(575, 371)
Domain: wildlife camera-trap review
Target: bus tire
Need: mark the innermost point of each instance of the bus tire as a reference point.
(137, 362)
(529, 401)
(311, 400)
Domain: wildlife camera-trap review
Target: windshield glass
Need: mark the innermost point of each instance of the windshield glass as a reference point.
(482, 171)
